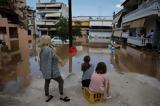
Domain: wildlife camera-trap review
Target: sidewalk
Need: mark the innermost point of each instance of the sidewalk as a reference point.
(126, 90)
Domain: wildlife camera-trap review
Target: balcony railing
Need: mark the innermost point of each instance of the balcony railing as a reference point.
(125, 35)
(147, 8)
(137, 41)
(48, 10)
(46, 22)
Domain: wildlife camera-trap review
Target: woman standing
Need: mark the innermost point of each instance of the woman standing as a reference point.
(49, 68)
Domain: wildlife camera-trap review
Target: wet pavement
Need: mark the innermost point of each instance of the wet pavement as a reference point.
(28, 85)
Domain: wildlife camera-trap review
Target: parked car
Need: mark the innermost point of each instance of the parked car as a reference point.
(57, 40)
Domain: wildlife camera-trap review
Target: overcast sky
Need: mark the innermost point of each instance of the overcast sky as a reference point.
(89, 7)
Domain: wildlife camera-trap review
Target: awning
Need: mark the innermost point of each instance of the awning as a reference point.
(117, 33)
(137, 23)
(53, 15)
(40, 5)
(116, 19)
(126, 24)
(53, 5)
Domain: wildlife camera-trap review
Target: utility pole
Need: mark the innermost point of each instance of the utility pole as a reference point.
(70, 33)
(70, 22)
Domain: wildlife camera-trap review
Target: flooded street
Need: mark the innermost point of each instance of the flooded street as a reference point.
(26, 86)
(96, 54)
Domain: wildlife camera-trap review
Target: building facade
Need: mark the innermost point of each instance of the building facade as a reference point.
(94, 29)
(14, 52)
(100, 29)
(47, 15)
(117, 28)
(31, 27)
(142, 17)
(84, 25)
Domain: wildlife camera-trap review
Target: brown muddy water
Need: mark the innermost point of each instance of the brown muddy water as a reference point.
(136, 61)
(16, 76)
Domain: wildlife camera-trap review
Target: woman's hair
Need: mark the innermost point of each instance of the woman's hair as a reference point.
(101, 68)
(45, 40)
(86, 64)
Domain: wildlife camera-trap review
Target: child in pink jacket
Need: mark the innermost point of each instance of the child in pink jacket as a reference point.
(99, 83)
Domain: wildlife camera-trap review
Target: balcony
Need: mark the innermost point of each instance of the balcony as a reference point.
(137, 41)
(48, 6)
(145, 9)
(48, 10)
(125, 34)
(47, 29)
(46, 22)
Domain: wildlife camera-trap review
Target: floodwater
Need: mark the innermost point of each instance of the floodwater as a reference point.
(137, 61)
(16, 77)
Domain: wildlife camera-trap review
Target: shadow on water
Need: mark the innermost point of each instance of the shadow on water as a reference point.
(137, 61)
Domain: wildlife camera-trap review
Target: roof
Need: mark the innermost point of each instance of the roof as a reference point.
(125, 2)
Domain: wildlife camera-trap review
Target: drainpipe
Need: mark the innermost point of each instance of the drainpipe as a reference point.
(34, 34)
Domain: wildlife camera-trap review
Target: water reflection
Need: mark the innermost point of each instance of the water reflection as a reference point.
(133, 60)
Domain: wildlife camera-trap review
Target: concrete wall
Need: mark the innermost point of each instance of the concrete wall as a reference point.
(17, 67)
(99, 36)
(100, 23)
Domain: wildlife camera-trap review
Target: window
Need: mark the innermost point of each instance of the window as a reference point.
(30, 41)
(2, 30)
(2, 33)
(15, 45)
(13, 32)
(29, 32)
(44, 33)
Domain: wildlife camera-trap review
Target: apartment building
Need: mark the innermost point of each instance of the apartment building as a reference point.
(84, 25)
(14, 53)
(47, 15)
(117, 27)
(100, 29)
(140, 18)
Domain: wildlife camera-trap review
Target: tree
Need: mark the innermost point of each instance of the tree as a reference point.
(76, 29)
(62, 29)
(15, 11)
